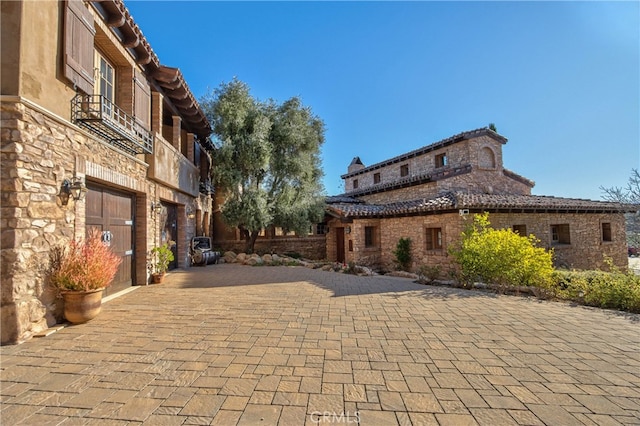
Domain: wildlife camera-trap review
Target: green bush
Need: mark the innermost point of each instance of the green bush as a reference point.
(615, 290)
(403, 254)
(501, 256)
(428, 274)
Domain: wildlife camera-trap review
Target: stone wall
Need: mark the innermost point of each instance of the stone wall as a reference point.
(586, 250)
(483, 154)
(38, 152)
(487, 175)
(312, 247)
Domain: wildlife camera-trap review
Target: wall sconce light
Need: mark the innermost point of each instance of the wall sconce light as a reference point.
(190, 213)
(348, 229)
(74, 188)
(156, 208)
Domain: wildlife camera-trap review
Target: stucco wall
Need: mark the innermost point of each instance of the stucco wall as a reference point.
(40, 57)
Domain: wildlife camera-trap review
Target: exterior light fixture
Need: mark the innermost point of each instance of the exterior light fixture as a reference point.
(74, 188)
(348, 229)
(157, 208)
(190, 212)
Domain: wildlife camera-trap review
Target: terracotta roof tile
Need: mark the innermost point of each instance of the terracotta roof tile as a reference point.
(444, 142)
(463, 200)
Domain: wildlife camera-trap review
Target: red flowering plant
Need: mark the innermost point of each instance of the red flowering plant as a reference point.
(83, 265)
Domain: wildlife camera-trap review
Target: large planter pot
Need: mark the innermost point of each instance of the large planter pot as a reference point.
(82, 306)
(157, 278)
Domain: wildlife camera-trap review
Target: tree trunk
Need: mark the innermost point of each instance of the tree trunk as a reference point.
(251, 240)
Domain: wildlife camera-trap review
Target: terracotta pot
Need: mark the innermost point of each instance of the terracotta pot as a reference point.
(157, 278)
(82, 306)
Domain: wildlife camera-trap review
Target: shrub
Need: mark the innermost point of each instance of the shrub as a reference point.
(615, 289)
(83, 265)
(403, 254)
(428, 274)
(501, 256)
(162, 256)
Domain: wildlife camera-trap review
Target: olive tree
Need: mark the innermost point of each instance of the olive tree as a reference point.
(266, 161)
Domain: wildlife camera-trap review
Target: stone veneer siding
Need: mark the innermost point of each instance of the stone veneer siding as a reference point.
(459, 154)
(488, 181)
(310, 247)
(586, 251)
(38, 151)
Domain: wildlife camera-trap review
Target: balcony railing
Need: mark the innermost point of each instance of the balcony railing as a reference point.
(107, 120)
(206, 187)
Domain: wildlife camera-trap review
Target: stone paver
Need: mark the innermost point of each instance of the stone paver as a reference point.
(229, 344)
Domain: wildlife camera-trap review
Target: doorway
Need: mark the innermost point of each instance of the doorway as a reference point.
(112, 212)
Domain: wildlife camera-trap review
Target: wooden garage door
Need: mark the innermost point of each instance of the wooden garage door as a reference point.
(112, 213)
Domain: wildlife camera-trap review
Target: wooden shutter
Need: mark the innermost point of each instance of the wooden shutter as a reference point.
(142, 100)
(78, 45)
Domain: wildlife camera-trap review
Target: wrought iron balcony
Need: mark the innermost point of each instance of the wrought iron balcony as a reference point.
(206, 187)
(102, 117)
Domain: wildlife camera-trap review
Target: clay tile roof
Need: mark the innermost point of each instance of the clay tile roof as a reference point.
(513, 201)
(336, 199)
(461, 200)
(442, 143)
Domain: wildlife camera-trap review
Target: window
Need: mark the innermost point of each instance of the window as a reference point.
(560, 234)
(350, 245)
(434, 238)
(376, 178)
(106, 78)
(606, 232)
(520, 229)
(404, 170)
(441, 160)
(320, 229)
(355, 184)
(369, 236)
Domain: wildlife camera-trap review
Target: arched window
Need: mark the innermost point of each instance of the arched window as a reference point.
(487, 159)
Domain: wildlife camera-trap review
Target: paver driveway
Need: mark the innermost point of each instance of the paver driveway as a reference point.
(231, 344)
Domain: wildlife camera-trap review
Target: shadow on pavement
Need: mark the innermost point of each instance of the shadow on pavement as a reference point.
(340, 285)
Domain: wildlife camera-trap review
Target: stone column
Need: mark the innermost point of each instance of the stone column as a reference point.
(156, 112)
(191, 148)
(177, 132)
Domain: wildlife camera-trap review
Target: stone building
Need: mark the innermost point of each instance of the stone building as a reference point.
(429, 195)
(88, 109)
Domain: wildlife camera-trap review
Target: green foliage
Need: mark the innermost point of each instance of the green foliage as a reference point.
(428, 273)
(615, 289)
(162, 256)
(267, 161)
(492, 126)
(403, 254)
(501, 256)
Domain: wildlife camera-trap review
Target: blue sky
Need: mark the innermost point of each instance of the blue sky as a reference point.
(560, 80)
